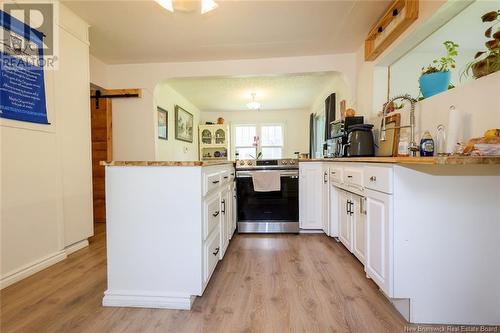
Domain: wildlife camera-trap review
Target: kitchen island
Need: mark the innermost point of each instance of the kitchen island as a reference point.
(168, 224)
(427, 230)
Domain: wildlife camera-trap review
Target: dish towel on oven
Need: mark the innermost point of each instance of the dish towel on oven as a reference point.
(266, 181)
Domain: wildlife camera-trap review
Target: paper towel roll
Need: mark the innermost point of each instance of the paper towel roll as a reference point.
(455, 129)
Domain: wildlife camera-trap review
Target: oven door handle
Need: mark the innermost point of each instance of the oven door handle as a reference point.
(283, 173)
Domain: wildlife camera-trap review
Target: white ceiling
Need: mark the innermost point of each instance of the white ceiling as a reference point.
(142, 31)
(283, 92)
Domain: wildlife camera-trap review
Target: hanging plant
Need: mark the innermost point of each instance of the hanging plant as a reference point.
(488, 61)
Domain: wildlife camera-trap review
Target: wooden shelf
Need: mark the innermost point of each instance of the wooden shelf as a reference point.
(393, 23)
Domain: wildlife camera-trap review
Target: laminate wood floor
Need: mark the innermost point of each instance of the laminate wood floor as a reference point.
(266, 283)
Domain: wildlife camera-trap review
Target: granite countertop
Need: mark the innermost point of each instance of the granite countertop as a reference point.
(438, 160)
(165, 163)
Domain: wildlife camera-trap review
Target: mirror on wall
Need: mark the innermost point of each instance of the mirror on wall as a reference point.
(466, 29)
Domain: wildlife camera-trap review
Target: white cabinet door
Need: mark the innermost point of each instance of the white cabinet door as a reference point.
(311, 195)
(234, 208)
(345, 227)
(358, 228)
(379, 240)
(224, 218)
(335, 210)
(325, 191)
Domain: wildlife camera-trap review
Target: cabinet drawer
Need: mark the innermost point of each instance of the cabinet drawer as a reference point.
(225, 176)
(211, 181)
(211, 249)
(212, 213)
(378, 178)
(336, 175)
(353, 177)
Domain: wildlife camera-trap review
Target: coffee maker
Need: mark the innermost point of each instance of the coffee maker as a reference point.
(337, 145)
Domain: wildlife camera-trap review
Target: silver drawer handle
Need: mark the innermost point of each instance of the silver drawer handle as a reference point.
(215, 214)
(215, 182)
(373, 179)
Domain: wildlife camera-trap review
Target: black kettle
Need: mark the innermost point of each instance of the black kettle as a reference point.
(360, 141)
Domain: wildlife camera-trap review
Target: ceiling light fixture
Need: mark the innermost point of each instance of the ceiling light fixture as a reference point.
(254, 105)
(207, 6)
(187, 5)
(167, 4)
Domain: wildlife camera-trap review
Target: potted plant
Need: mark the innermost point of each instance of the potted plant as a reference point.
(487, 62)
(436, 78)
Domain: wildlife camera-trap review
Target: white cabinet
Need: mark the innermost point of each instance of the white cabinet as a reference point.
(214, 142)
(358, 227)
(182, 213)
(313, 186)
(234, 208)
(334, 210)
(379, 240)
(345, 220)
(325, 197)
(211, 251)
(352, 223)
(226, 218)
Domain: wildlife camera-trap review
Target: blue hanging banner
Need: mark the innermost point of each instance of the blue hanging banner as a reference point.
(22, 87)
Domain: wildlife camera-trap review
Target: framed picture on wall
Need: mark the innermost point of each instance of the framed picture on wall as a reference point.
(183, 125)
(162, 124)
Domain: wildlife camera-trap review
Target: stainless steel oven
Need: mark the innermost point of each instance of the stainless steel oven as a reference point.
(268, 212)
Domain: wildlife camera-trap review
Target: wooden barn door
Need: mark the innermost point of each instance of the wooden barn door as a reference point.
(102, 150)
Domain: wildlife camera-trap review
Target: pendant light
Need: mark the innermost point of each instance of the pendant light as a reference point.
(254, 105)
(167, 4)
(207, 6)
(187, 5)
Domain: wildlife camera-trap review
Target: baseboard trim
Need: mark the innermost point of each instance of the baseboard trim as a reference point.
(76, 246)
(31, 269)
(311, 231)
(122, 299)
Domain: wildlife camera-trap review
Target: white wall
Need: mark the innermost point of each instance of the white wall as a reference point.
(98, 72)
(175, 150)
(134, 122)
(46, 189)
(342, 91)
(296, 123)
(477, 98)
(366, 102)
(134, 128)
(406, 72)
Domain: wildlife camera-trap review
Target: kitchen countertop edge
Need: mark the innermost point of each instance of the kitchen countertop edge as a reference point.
(165, 163)
(437, 160)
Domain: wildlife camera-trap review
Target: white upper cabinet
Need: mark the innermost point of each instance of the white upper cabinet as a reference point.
(214, 142)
